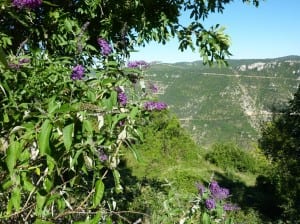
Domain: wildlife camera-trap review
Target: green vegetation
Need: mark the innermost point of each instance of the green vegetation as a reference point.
(230, 156)
(170, 164)
(281, 143)
(84, 141)
(226, 104)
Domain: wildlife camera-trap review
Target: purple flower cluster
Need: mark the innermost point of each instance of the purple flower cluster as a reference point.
(153, 88)
(31, 4)
(102, 156)
(122, 98)
(217, 191)
(105, 47)
(138, 64)
(210, 203)
(151, 105)
(77, 72)
(215, 194)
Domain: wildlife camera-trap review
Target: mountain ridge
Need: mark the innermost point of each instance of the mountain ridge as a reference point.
(228, 103)
(288, 57)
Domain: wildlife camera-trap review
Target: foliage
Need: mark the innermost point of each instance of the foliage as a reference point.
(167, 153)
(70, 106)
(62, 119)
(280, 141)
(175, 163)
(53, 25)
(230, 156)
(211, 206)
(161, 202)
(62, 139)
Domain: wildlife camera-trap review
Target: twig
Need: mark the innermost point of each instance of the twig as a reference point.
(21, 46)
(17, 213)
(37, 183)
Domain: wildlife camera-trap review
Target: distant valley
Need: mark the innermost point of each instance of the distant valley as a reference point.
(229, 103)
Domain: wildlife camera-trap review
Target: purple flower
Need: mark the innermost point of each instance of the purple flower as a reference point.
(103, 157)
(77, 72)
(31, 4)
(201, 188)
(151, 105)
(154, 88)
(210, 203)
(105, 47)
(122, 98)
(217, 191)
(138, 64)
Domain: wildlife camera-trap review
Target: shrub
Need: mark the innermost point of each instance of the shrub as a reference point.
(230, 156)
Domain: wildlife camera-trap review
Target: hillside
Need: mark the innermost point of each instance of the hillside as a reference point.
(226, 104)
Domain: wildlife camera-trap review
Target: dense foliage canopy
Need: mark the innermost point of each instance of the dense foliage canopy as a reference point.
(281, 142)
(62, 27)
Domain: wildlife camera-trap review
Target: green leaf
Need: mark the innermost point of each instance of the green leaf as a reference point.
(3, 58)
(73, 161)
(68, 25)
(87, 126)
(61, 204)
(118, 185)
(68, 135)
(88, 162)
(111, 101)
(5, 118)
(49, 3)
(53, 105)
(205, 218)
(14, 201)
(99, 191)
(91, 96)
(44, 137)
(27, 185)
(19, 19)
(134, 112)
(117, 119)
(134, 152)
(40, 201)
(96, 218)
(40, 221)
(7, 184)
(65, 108)
(47, 184)
(24, 156)
(50, 164)
(13, 153)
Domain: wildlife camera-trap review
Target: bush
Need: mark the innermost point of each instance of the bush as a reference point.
(230, 156)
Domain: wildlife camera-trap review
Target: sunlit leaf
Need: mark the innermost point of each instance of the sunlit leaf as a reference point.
(13, 152)
(44, 137)
(68, 135)
(118, 186)
(99, 192)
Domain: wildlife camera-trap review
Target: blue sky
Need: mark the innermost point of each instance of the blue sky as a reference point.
(269, 31)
